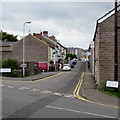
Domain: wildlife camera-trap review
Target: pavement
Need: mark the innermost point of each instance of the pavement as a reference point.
(30, 78)
(89, 91)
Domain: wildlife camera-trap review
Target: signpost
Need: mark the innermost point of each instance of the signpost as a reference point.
(24, 65)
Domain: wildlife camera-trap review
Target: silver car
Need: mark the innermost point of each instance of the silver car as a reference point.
(66, 67)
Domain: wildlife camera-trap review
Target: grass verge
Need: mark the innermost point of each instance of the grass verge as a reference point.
(112, 93)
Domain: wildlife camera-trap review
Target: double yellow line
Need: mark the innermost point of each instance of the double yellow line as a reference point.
(78, 87)
(76, 93)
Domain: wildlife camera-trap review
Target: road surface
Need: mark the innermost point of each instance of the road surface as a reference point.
(50, 98)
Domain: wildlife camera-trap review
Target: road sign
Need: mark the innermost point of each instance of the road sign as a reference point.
(23, 65)
(112, 84)
(5, 70)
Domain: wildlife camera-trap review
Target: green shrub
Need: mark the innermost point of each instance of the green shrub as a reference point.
(13, 74)
(1, 62)
(10, 63)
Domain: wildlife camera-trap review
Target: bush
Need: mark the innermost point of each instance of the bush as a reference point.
(10, 63)
(1, 62)
(13, 74)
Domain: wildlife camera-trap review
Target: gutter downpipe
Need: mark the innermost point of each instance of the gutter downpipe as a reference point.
(115, 46)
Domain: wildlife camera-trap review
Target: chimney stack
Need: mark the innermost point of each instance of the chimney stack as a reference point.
(45, 33)
(37, 34)
(52, 37)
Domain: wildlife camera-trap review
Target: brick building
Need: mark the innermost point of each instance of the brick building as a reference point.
(36, 50)
(104, 39)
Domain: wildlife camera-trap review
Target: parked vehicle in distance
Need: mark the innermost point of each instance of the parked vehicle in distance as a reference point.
(74, 60)
(42, 66)
(84, 60)
(66, 67)
(71, 63)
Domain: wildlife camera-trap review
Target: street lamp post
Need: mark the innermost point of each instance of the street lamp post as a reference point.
(55, 56)
(24, 47)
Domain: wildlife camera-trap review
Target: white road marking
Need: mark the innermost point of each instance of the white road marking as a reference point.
(79, 112)
(10, 87)
(2, 85)
(46, 91)
(58, 94)
(69, 96)
(35, 89)
(23, 88)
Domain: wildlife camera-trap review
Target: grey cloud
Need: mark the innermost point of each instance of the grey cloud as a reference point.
(78, 16)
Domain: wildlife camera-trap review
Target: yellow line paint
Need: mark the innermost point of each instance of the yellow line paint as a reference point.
(37, 79)
(50, 76)
(77, 91)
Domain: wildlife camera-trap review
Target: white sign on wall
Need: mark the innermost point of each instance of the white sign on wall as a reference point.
(5, 70)
(113, 84)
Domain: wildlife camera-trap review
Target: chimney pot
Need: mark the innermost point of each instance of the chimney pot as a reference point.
(45, 33)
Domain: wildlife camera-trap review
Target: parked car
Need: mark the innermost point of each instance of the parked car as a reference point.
(74, 60)
(71, 63)
(66, 67)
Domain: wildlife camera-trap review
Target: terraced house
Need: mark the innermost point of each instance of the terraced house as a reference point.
(104, 51)
(58, 51)
(36, 50)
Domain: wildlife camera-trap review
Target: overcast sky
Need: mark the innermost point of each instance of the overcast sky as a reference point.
(73, 23)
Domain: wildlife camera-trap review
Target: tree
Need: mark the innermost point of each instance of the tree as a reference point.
(8, 37)
(70, 55)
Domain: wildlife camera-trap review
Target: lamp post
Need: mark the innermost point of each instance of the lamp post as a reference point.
(24, 47)
(55, 56)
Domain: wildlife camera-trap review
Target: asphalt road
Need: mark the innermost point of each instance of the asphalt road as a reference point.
(50, 98)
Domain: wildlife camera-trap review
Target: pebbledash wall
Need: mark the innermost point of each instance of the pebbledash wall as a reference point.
(104, 51)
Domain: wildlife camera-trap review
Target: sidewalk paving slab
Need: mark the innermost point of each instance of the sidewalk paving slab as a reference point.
(30, 78)
(89, 91)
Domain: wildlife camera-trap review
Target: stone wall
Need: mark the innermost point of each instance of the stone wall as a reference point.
(35, 50)
(118, 45)
(106, 50)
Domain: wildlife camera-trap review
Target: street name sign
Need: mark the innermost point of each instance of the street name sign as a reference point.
(113, 84)
(5, 70)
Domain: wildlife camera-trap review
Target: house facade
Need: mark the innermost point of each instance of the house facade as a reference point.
(57, 51)
(91, 57)
(80, 53)
(35, 50)
(104, 51)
